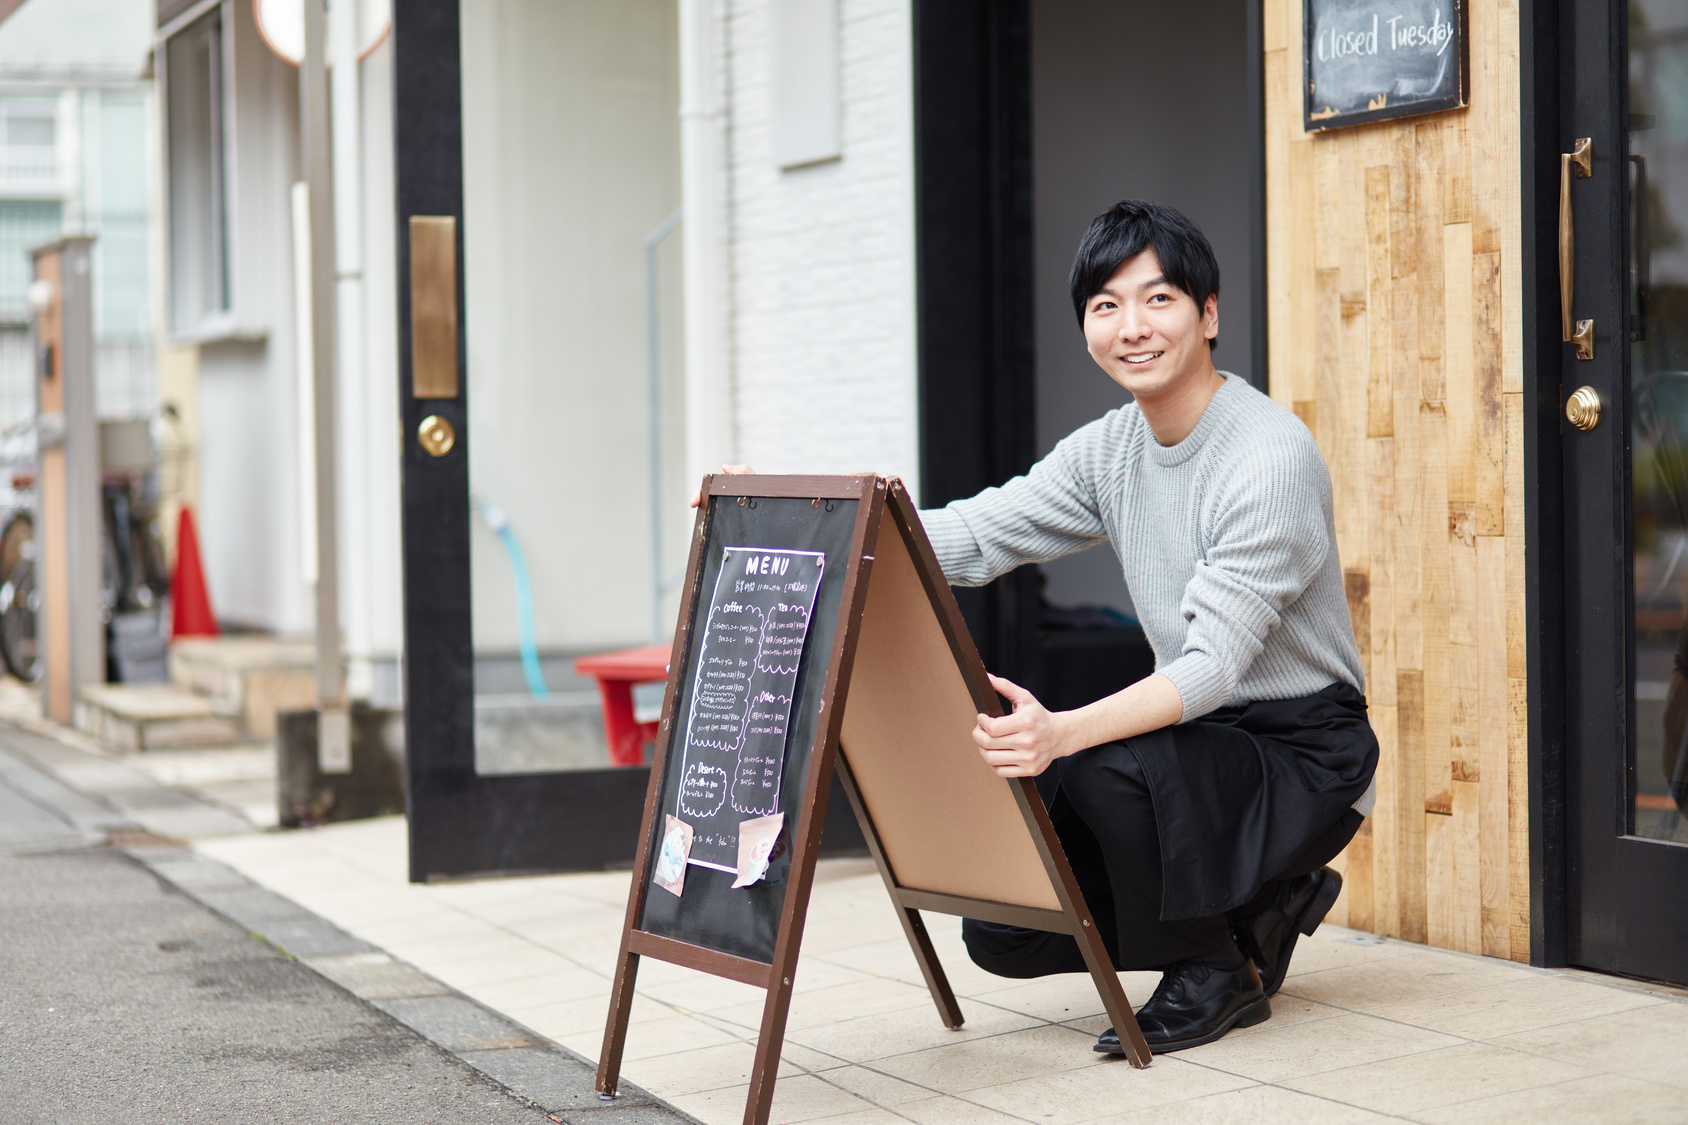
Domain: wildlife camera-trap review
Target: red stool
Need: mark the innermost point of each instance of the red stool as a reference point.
(616, 673)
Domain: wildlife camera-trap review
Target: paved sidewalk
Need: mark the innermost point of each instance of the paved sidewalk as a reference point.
(1365, 1029)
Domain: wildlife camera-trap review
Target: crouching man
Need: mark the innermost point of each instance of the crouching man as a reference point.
(1198, 806)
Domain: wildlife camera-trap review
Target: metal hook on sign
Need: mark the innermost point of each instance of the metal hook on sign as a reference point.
(817, 502)
(829, 505)
(741, 501)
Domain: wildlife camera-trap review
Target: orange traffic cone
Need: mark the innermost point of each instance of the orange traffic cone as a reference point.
(190, 601)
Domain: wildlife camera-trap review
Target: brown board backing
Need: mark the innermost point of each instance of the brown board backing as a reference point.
(948, 824)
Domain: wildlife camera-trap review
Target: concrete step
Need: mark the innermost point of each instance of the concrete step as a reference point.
(247, 678)
(137, 717)
(521, 734)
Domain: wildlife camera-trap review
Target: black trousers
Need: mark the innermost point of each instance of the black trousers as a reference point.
(1104, 813)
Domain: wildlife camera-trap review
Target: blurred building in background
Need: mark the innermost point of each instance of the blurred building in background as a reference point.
(229, 120)
(77, 138)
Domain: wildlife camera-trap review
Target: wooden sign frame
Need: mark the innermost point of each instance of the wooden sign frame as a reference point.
(884, 510)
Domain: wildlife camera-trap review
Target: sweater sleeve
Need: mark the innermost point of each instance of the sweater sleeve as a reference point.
(1049, 512)
(1268, 540)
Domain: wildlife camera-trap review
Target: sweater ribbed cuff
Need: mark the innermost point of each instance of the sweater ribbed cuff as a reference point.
(1201, 683)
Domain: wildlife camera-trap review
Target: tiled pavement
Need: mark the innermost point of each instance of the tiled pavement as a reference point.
(1363, 1030)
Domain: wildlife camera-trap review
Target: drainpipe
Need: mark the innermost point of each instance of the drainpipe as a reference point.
(334, 741)
(345, 102)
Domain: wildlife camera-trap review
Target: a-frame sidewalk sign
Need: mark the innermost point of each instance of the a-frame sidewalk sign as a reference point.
(838, 569)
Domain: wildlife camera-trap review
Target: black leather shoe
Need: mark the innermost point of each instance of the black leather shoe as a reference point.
(1196, 1004)
(1299, 906)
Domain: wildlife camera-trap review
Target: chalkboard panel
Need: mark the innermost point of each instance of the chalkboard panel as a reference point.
(1368, 60)
(764, 613)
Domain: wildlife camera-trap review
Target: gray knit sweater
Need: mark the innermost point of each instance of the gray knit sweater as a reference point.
(1226, 540)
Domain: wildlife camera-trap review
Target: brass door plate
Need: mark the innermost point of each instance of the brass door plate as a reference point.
(433, 306)
(1582, 409)
(437, 435)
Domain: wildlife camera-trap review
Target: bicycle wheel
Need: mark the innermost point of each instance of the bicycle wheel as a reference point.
(16, 541)
(19, 601)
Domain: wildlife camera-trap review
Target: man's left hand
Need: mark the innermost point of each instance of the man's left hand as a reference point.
(1023, 742)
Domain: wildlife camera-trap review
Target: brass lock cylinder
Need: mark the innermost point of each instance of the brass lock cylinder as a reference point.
(1582, 409)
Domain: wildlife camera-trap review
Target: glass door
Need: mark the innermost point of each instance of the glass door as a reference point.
(538, 188)
(1624, 377)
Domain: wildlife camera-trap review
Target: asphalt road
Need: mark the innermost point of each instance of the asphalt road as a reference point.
(121, 1000)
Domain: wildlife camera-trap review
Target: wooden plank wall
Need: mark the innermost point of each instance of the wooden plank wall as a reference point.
(1394, 311)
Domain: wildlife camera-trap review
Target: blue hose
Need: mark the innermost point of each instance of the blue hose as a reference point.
(500, 524)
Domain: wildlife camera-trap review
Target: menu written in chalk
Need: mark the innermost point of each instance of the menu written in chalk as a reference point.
(1368, 60)
(734, 749)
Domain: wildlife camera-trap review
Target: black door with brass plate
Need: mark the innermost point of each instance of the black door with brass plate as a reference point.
(554, 801)
(1621, 106)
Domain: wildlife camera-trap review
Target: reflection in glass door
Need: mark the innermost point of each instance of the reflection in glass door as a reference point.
(571, 173)
(1658, 335)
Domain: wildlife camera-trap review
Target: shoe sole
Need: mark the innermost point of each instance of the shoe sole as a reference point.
(1330, 886)
(1258, 1012)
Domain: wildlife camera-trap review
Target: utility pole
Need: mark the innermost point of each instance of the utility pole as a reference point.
(334, 732)
(67, 567)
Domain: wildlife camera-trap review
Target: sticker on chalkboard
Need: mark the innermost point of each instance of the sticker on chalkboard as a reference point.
(733, 756)
(759, 844)
(671, 855)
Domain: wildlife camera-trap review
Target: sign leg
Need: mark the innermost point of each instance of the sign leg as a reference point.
(930, 968)
(1113, 996)
(615, 1029)
(768, 1042)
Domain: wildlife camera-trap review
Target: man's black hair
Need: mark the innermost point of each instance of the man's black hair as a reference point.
(1127, 229)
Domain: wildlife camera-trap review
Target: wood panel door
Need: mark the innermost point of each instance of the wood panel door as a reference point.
(1623, 389)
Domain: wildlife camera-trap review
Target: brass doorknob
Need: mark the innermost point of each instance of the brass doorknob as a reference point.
(1582, 409)
(437, 435)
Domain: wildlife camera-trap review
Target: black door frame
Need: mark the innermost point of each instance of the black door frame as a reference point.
(461, 823)
(1581, 592)
(973, 250)
(1544, 525)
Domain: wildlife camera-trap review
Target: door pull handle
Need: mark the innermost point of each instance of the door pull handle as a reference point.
(1581, 160)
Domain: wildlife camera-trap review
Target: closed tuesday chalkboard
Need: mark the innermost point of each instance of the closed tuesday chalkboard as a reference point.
(1369, 60)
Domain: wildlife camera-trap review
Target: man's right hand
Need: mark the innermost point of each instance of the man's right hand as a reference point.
(730, 470)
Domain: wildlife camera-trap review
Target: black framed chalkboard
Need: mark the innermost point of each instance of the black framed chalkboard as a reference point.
(1370, 60)
(764, 614)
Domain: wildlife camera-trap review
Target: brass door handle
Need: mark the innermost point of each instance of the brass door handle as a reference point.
(1580, 159)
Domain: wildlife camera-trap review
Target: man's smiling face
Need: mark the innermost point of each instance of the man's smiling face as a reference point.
(1146, 333)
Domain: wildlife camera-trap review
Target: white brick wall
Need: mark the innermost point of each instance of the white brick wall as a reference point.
(821, 259)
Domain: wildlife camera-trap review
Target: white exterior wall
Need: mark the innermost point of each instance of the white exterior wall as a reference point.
(822, 360)
(249, 519)
(252, 515)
